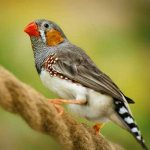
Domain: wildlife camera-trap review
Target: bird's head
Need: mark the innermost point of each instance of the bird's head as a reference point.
(46, 31)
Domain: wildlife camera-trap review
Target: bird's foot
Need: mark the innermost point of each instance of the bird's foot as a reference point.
(59, 109)
(97, 127)
(57, 104)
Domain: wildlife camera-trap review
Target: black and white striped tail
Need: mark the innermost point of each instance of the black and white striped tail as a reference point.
(129, 122)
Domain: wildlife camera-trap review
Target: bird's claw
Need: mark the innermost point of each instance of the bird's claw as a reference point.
(59, 109)
(57, 104)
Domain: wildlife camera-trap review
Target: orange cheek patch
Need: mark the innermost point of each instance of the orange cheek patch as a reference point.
(53, 37)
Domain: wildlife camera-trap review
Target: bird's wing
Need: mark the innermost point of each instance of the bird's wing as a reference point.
(78, 67)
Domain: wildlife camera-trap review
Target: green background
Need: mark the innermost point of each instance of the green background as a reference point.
(115, 34)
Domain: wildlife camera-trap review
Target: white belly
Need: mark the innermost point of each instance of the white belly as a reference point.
(98, 107)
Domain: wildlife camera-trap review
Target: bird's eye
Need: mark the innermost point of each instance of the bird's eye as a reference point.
(46, 25)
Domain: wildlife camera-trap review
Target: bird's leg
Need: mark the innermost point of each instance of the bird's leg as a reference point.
(58, 102)
(97, 127)
(61, 101)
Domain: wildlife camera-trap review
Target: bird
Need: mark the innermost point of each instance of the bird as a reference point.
(68, 71)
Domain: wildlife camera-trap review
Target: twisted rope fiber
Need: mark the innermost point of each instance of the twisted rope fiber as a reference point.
(19, 98)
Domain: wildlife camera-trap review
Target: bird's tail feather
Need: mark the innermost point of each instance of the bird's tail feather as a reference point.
(126, 121)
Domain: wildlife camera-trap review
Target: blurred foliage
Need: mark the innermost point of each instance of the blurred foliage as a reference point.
(116, 34)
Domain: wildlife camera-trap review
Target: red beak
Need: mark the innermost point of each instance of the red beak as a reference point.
(32, 29)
